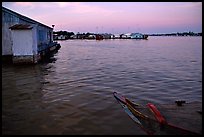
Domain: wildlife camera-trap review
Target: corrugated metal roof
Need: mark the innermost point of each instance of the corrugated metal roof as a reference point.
(22, 17)
(20, 27)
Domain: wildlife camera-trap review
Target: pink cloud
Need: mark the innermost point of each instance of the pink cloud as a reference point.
(120, 15)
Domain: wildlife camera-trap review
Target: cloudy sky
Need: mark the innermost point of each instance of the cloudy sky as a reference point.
(114, 17)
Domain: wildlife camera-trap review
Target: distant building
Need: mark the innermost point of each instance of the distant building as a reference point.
(23, 38)
(136, 35)
(61, 37)
(106, 36)
(80, 36)
(125, 36)
(116, 36)
(91, 36)
(73, 36)
(112, 36)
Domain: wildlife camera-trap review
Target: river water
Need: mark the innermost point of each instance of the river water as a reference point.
(72, 92)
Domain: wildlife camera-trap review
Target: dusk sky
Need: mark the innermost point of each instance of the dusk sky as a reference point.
(114, 17)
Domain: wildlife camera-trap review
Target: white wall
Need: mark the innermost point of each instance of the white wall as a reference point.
(22, 42)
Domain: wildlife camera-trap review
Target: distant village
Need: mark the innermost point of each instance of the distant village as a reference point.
(64, 35)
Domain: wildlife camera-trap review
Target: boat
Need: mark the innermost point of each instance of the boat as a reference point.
(99, 37)
(156, 113)
(123, 102)
(150, 118)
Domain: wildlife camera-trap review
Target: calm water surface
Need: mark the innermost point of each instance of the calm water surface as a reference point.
(72, 92)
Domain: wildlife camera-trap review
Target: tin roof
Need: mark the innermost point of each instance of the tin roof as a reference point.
(22, 17)
(20, 27)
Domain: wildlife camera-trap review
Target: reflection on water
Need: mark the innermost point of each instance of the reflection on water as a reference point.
(71, 93)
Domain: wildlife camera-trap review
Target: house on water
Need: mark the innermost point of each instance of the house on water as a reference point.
(25, 40)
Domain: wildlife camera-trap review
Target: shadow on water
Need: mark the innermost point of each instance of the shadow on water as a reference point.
(49, 58)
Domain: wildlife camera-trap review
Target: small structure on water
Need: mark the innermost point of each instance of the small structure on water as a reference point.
(25, 39)
(138, 36)
(133, 36)
(60, 37)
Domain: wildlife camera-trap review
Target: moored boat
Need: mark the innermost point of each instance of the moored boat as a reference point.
(156, 124)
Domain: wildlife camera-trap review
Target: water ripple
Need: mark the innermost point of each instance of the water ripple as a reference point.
(74, 94)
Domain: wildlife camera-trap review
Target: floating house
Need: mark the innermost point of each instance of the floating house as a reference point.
(106, 36)
(133, 36)
(138, 36)
(60, 37)
(125, 36)
(25, 39)
(116, 36)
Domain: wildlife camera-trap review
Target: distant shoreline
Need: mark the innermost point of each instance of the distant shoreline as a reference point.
(177, 34)
(64, 35)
